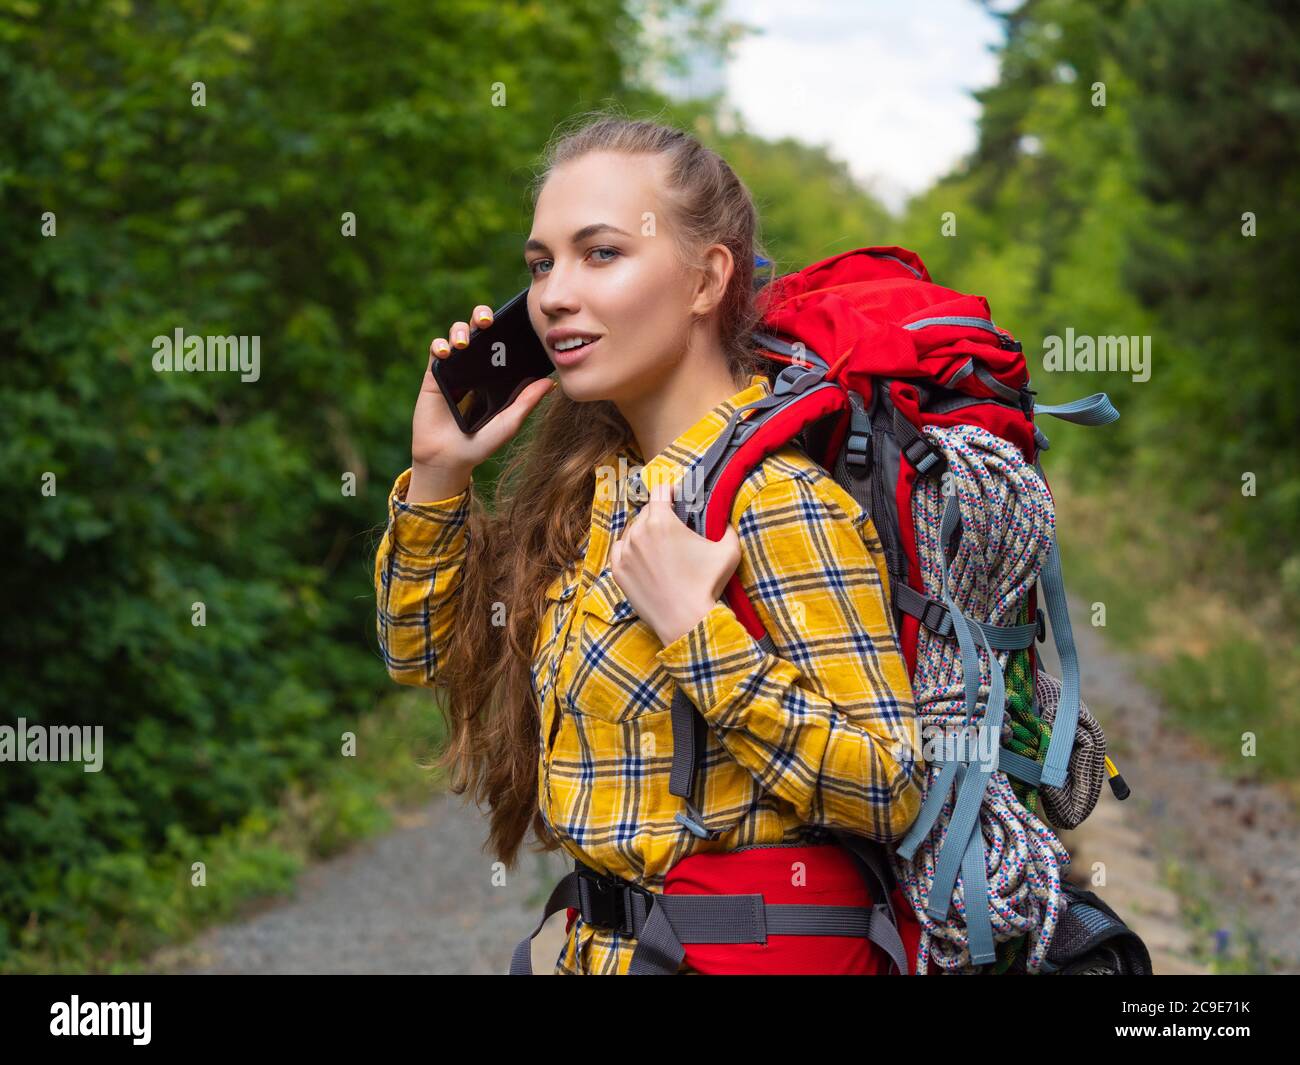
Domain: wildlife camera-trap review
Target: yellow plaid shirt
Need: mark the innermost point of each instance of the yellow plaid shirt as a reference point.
(819, 735)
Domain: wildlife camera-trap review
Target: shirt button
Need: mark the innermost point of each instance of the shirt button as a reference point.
(635, 488)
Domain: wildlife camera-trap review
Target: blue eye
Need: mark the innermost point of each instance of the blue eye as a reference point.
(532, 267)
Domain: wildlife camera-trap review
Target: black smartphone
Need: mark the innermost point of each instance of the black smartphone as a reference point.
(487, 374)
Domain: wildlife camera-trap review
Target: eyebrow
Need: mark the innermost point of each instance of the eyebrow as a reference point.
(533, 244)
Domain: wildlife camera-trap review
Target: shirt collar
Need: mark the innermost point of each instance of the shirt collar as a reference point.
(617, 496)
(672, 461)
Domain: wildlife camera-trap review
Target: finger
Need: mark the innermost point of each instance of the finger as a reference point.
(662, 491)
(440, 348)
(459, 334)
(482, 316)
(513, 416)
(531, 394)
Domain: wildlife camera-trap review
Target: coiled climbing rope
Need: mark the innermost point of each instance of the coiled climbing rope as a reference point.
(1007, 522)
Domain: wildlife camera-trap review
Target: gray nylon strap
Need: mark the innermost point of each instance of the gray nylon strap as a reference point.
(694, 919)
(678, 919)
(869, 855)
(963, 843)
(884, 933)
(924, 608)
(697, 484)
(661, 929)
(1020, 767)
(995, 386)
(564, 896)
(906, 434)
(790, 919)
(683, 717)
(1096, 409)
(1057, 762)
(658, 950)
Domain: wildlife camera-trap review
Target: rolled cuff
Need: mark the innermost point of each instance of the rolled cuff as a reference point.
(424, 529)
(712, 659)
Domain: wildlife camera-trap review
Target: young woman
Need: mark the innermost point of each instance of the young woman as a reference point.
(562, 622)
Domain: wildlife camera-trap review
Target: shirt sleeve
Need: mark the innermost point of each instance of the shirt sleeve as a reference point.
(418, 568)
(827, 723)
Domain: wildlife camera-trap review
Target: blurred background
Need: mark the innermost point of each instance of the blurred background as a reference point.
(345, 179)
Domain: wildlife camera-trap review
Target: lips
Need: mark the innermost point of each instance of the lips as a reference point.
(573, 355)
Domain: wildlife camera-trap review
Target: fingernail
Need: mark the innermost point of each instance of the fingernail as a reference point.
(483, 319)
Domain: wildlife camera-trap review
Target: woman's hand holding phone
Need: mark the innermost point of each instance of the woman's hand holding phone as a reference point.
(443, 457)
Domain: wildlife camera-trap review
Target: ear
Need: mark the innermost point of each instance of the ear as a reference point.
(719, 266)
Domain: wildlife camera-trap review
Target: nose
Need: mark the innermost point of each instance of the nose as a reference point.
(558, 299)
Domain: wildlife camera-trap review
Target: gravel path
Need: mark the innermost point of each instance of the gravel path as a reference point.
(1238, 841)
(417, 900)
(421, 898)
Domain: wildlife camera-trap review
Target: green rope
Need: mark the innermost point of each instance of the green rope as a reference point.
(1007, 954)
(1028, 733)
(1029, 737)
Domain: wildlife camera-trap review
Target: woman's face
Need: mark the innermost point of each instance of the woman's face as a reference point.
(619, 280)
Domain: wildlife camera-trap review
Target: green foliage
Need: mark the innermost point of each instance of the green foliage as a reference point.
(1126, 219)
(173, 489)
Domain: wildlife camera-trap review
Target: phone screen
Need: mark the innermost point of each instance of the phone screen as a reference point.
(484, 377)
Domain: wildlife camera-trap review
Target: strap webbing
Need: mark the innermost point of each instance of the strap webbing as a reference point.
(963, 843)
(662, 927)
(1059, 747)
(1096, 409)
(933, 614)
(1021, 767)
(564, 896)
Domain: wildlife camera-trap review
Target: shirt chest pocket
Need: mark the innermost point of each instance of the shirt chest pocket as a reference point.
(615, 676)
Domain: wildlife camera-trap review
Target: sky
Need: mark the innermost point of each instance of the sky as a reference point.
(883, 85)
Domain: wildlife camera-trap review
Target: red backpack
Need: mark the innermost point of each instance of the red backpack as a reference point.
(892, 383)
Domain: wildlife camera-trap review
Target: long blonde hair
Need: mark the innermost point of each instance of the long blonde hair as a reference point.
(545, 491)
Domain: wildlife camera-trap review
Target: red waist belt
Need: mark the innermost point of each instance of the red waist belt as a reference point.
(809, 909)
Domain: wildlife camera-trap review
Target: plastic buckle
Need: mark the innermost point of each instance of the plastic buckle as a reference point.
(602, 903)
(857, 450)
(920, 454)
(936, 618)
(1027, 400)
(1041, 621)
(694, 826)
(795, 379)
(606, 901)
